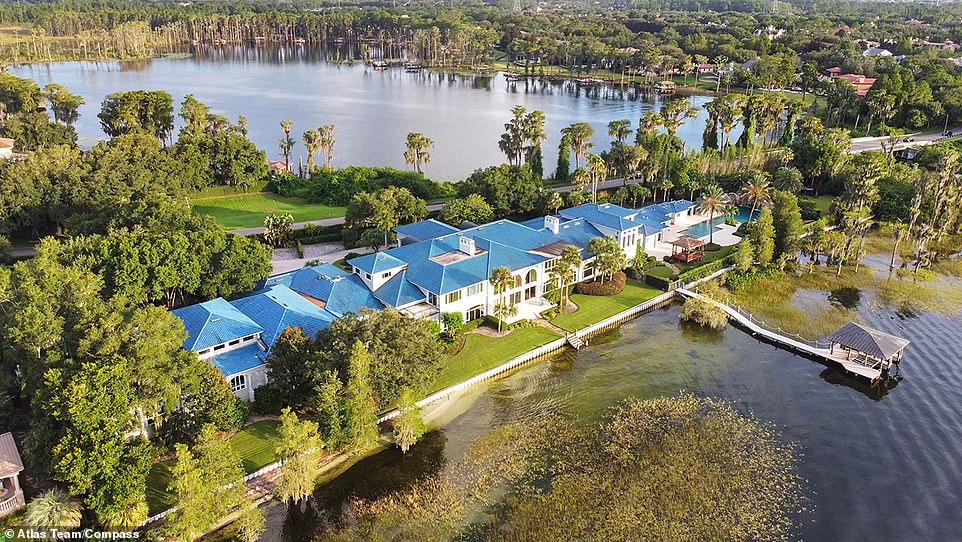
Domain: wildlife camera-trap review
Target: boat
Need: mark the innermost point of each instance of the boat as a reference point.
(379, 64)
(412, 66)
(512, 75)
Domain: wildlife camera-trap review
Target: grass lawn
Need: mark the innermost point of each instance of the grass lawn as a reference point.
(593, 309)
(249, 210)
(254, 444)
(481, 352)
(823, 203)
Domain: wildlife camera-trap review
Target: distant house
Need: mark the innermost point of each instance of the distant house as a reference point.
(833, 72)
(876, 52)
(861, 83)
(278, 166)
(770, 32)
(11, 496)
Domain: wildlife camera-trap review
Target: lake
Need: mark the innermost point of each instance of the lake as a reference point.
(372, 110)
(877, 464)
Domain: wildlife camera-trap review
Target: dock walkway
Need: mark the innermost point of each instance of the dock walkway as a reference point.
(812, 348)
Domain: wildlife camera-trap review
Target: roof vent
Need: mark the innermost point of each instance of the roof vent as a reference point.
(217, 319)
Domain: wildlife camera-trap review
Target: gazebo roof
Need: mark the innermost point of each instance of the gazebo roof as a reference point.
(688, 242)
(870, 341)
(10, 462)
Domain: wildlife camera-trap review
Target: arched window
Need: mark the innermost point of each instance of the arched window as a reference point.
(532, 276)
(238, 383)
(517, 281)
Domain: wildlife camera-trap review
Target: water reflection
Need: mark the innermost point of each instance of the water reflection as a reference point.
(372, 109)
(848, 298)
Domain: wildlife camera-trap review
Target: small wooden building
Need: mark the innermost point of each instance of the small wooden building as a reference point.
(687, 249)
(868, 346)
(11, 496)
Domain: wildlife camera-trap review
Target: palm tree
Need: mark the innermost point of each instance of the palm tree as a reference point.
(758, 191)
(312, 142)
(713, 201)
(327, 143)
(581, 178)
(565, 272)
(619, 129)
(287, 142)
(53, 508)
(554, 202)
(647, 125)
(580, 134)
(417, 150)
(501, 280)
(598, 169)
(730, 111)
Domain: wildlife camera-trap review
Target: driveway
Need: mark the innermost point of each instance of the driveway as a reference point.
(285, 259)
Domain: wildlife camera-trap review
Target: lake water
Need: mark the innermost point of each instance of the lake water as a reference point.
(373, 110)
(877, 464)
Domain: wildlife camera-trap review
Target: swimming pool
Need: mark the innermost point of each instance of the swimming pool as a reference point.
(702, 229)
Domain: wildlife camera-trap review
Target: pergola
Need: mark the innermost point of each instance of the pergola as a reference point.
(687, 249)
(868, 346)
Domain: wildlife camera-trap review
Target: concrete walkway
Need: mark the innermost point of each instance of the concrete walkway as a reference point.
(285, 259)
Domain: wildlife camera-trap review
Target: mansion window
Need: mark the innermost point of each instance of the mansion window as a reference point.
(474, 289)
(515, 298)
(386, 275)
(531, 277)
(517, 281)
(452, 297)
(238, 383)
(433, 299)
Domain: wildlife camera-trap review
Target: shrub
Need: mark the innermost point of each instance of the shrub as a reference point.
(267, 400)
(300, 250)
(551, 313)
(737, 281)
(612, 287)
(712, 247)
(520, 324)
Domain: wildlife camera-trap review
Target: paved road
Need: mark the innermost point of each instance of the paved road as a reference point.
(875, 143)
(610, 183)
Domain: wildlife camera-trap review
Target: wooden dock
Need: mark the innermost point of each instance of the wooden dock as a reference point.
(823, 353)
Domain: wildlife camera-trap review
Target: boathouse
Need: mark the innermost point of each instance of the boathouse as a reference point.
(868, 346)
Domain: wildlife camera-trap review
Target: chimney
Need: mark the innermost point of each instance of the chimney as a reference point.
(552, 223)
(466, 245)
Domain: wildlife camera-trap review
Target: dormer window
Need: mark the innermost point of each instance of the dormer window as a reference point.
(386, 275)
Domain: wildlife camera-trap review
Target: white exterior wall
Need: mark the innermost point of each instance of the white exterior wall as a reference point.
(254, 377)
(487, 298)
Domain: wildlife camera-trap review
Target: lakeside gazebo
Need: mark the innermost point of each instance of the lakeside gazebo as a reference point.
(868, 346)
(687, 249)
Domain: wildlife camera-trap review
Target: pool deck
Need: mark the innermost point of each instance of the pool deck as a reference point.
(724, 234)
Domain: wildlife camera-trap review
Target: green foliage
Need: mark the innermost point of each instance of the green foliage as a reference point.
(409, 424)
(360, 409)
(207, 483)
(53, 508)
(471, 208)
(381, 211)
(277, 228)
(648, 468)
(744, 256)
(150, 112)
(337, 187)
(703, 312)
(509, 190)
(735, 282)
(329, 403)
(613, 286)
(288, 363)
(787, 220)
(206, 400)
(267, 400)
(608, 257)
(299, 451)
(404, 352)
(762, 237)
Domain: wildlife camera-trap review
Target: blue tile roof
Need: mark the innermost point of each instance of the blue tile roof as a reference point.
(399, 291)
(279, 308)
(214, 322)
(341, 292)
(607, 215)
(239, 360)
(375, 263)
(425, 229)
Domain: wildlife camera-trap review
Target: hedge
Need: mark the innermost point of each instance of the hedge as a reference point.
(612, 287)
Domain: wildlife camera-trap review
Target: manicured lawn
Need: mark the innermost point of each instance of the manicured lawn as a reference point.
(249, 210)
(593, 309)
(481, 352)
(823, 203)
(254, 445)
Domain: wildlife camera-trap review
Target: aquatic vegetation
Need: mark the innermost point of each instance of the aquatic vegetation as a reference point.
(672, 468)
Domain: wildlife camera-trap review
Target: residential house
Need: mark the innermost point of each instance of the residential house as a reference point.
(436, 269)
(876, 52)
(861, 83)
